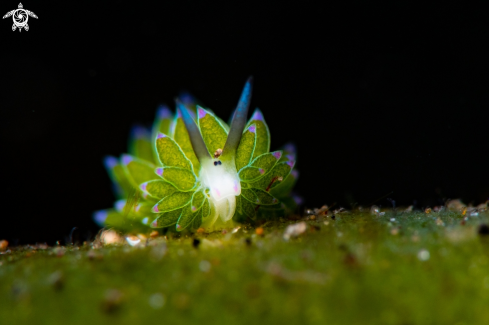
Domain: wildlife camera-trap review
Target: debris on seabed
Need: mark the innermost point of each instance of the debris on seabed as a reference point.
(59, 251)
(92, 255)
(350, 260)
(439, 222)
(41, 246)
(158, 251)
(248, 241)
(340, 210)
(323, 211)
(281, 273)
(409, 209)
(427, 210)
(423, 255)
(415, 237)
(133, 240)
(157, 300)
(455, 205)
(259, 231)
(375, 210)
(438, 209)
(113, 299)
(206, 243)
(153, 234)
(110, 237)
(3, 245)
(295, 230)
(56, 279)
(204, 266)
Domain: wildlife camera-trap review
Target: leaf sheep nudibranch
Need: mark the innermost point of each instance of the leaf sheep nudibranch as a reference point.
(192, 170)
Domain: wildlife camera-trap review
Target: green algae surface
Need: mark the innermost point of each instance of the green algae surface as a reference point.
(358, 268)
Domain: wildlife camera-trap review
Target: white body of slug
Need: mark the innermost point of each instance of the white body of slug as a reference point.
(223, 184)
(220, 177)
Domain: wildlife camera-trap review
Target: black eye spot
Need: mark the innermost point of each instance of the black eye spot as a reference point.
(219, 162)
(215, 163)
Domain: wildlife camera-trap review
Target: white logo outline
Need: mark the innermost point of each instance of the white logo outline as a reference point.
(20, 16)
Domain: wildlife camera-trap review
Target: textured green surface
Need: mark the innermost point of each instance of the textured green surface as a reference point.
(142, 148)
(198, 200)
(260, 166)
(397, 268)
(250, 195)
(186, 218)
(198, 220)
(248, 173)
(258, 196)
(158, 188)
(162, 125)
(170, 153)
(280, 170)
(182, 138)
(174, 201)
(182, 179)
(167, 219)
(213, 133)
(267, 160)
(120, 180)
(139, 171)
(262, 137)
(245, 148)
(206, 208)
(245, 207)
(285, 187)
(264, 198)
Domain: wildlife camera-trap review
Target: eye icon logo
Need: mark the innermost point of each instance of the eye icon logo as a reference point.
(20, 17)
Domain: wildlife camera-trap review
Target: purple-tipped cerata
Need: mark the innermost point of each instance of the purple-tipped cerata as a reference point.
(163, 112)
(277, 154)
(126, 159)
(194, 133)
(140, 132)
(257, 115)
(110, 162)
(143, 186)
(201, 112)
(100, 216)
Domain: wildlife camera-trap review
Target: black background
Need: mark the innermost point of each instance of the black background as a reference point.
(379, 98)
